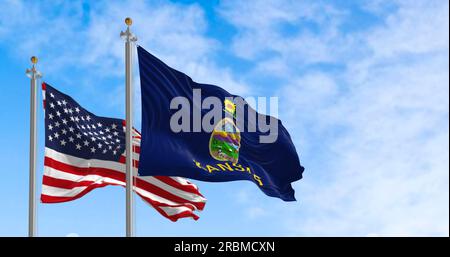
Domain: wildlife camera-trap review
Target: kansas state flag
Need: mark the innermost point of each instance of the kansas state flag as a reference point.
(226, 152)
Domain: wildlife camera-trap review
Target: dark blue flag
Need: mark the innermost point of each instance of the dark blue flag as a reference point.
(231, 150)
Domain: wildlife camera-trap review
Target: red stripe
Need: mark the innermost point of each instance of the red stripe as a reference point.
(173, 183)
(83, 171)
(63, 183)
(118, 176)
(137, 132)
(44, 86)
(60, 199)
(123, 160)
(185, 214)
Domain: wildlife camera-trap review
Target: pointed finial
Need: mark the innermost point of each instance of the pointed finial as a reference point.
(128, 21)
(34, 59)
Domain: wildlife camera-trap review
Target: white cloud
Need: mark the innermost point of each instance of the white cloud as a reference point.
(428, 31)
(254, 212)
(30, 28)
(318, 86)
(260, 30)
(173, 32)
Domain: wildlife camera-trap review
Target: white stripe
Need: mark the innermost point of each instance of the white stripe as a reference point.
(173, 211)
(135, 156)
(96, 179)
(86, 163)
(83, 163)
(43, 100)
(62, 192)
(54, 173)
(184, 182)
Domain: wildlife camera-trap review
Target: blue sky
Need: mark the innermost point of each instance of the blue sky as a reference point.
(363, 89)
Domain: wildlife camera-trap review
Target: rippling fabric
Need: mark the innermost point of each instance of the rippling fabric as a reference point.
(271, 166)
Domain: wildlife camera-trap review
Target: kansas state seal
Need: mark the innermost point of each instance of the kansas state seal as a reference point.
(225, 139)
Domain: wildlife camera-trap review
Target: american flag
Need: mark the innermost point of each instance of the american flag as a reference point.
(84, 151)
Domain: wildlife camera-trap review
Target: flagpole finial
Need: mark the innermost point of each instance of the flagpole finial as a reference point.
(33, 72)
(34, 59)
(128, 21)
(127, 35)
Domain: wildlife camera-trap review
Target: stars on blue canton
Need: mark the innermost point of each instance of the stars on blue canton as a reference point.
(73, 130)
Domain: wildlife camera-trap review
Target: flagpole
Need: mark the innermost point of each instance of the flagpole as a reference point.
(34, 75)
(129, 38)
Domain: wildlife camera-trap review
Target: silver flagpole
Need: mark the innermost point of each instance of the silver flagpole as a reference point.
(129, 40)
(34, 75)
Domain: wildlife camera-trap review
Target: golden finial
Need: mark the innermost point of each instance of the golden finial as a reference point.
(128, 21)
(34, 59)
